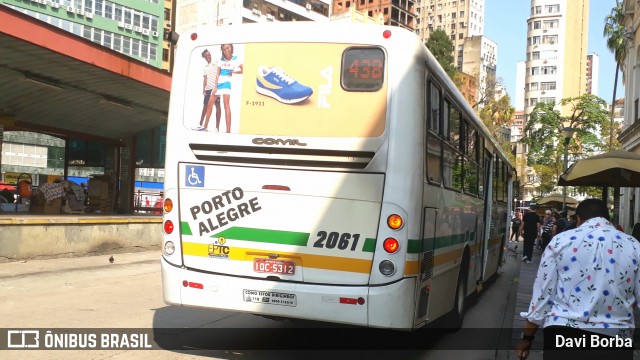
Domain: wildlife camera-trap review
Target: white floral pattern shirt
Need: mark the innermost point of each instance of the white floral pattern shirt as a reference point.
(588, 278)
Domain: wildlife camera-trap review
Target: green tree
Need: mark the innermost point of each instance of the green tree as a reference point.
(496, 115)
(441, 46)
(543, 133)
(615, 33)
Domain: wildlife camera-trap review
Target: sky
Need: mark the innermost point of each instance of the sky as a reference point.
(506, 25)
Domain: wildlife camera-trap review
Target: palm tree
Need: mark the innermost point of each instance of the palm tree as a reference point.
(615, 33)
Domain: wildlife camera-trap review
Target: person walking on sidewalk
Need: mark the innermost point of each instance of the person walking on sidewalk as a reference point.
(515, 227)
(530, 231)
(585, 291)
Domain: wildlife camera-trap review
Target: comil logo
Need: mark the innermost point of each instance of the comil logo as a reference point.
(23, 339)
(272, 141)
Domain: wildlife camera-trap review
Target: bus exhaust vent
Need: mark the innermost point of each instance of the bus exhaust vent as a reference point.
(423, 303)
(427, 265)
(282, 156)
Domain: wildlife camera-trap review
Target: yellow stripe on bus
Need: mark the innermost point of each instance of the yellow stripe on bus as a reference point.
(308, 260)
(412, 267)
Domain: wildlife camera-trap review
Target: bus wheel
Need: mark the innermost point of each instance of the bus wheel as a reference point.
(456, 316)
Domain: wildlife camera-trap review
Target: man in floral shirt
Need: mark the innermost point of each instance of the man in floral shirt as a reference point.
(585, 291)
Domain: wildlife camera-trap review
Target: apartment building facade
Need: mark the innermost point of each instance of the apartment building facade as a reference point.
(193, 13)
(593, 64)
(480, 59)
(399, 13)
(132, 28)
(556, 62)
(458, 18)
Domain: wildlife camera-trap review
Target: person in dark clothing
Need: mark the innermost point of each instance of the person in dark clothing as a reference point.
(530, 231)
(515, 227)
(572, 222)
(561, 224)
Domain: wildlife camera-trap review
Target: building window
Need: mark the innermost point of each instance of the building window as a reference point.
(551, 85)
(548, 70)
(551, 9)
(165, 54)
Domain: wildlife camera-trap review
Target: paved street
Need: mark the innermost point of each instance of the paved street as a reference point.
(91, 293)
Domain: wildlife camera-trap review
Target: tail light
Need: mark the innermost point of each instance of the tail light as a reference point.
(390, 245)
(168, 205)
(168, 226)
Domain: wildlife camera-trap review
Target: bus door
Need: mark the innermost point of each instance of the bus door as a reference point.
(429, 231)
(488, 209)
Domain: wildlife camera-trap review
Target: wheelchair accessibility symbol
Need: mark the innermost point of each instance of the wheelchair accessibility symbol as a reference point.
(194, 176)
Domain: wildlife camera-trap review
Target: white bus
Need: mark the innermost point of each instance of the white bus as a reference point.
(347, 180)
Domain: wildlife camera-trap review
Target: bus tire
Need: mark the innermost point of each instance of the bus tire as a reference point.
(455, 318)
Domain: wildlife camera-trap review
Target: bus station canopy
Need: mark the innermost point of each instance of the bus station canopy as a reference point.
(55, 82)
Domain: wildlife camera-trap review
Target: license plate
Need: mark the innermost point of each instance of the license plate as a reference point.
(283, 267)
(269, 297)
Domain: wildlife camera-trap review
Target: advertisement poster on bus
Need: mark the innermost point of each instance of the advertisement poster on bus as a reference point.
(280, 89)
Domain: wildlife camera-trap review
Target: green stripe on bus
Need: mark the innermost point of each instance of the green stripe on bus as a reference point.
(185, 229)
(301, 239)
(271, 236)
(414, 246)
(369, 245)
(265, 236)
(418, 246)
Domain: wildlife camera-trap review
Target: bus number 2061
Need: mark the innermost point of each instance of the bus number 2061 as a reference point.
(341, 240)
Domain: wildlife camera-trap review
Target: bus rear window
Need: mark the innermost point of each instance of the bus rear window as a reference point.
(362, 69)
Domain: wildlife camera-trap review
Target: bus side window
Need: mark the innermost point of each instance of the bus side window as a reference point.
(471, 161)
(454, 127)
(434, 158)
(434, 108)
(470, 176)
(452, 163)
(434, 141)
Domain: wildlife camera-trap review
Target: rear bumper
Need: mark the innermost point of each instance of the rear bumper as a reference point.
(388, 306)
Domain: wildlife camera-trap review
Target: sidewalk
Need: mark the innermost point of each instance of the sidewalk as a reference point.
(519, 298)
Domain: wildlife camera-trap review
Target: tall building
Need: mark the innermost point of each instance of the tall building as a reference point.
(480, 58)
(167, 45)
(593, 64)
(395, 13)
(556, 51)
(134, 28)
(459, 18)
(556, 62)
(193, 13)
